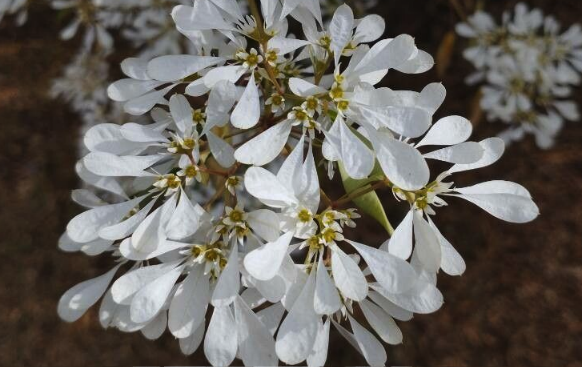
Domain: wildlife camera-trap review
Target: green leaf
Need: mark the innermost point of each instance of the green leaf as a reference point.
(369, 203)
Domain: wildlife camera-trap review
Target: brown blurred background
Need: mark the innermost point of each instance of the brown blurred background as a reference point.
(519, 303)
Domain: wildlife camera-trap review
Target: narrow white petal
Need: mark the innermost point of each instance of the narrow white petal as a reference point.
(318, 355)
(463, 153)
(149, 300)
(393, 273)
(77, 300)
(304, 88)
(382, 323)
(447, 131)
(220, 344)
(298, 331)
(428, 248)
(176, 67)
(188, 307)
(266, 147)
(391, 309)
(181, 113)
(265, 224)
(326, 299)
(221, 150)
(370, 347)
(190, 344)
(110, 165)
(341, 30)
(247, 112)
(493, 149)
(85, 227)
(423, 298)
(348, 277)
(186, 219)
(452, 262)
(266, 187)
(387, 54)
(255, 342)
(124, 289)
(402, 164)
(156, 327)
(264, 262)
(271, 317)
(228, 284)
(400, 244)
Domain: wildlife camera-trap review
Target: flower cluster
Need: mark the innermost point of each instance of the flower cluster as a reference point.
(261, 267)
(528, 68)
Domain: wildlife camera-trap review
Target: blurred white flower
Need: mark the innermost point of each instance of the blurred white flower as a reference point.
(527, 68)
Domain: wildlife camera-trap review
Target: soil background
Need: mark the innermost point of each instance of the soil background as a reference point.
(518, 304)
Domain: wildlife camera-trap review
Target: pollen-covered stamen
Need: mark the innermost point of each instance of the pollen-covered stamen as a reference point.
(343, 105)
(305, 216)
(199, 117)
(337, 92)
(276, 101)
(191, 173)
(232, 183)
(212, 256)
(312, 105)
(169, 182)
(325, 41)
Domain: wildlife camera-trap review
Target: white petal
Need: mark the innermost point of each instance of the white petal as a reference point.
(186, 219)
(318, 355)
(381, 322)
(221, 150)
(247, 112)
(265, 224)
(265, 186)
(386, 54)
(326, 299)
(463, 153)
(220, 101)
(85, 226)
(108, 184)
(228, 284)
(423, 298)
(156, 328)
(298, 331)
(134, 134)
(391, 309)
(149, 300)
(255, 342)
(304, 88)
(451, 261)
(285, 45)
(127, 89)
(504, 200)
(356, 157)
(188, 308)
(108, 138)
(400, 244)
(264, 262)
(422, 62)
(176, 67)
(124, 288)
(135, 68)
(410, 122)
(77, 300)
(220, 344)
(370, 28)
(348, 277)
(427, 245)
(393, 273)
(341, 30)
(447, 131)
(402, 164)
(370, 347)
(149, 235)
(110, 165)
(181, 113)
(432, 97)
(271, 317)
(493, 149)
(266, 147)
(126, 228)
(231, 73)
(190, 344)
(146, 102)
